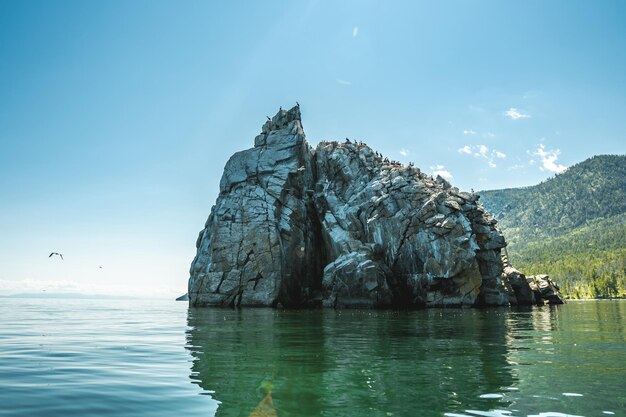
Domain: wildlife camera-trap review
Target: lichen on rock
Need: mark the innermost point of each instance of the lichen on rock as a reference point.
(342, 226)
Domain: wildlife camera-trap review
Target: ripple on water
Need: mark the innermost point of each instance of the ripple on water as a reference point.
(491, 396)
(492, 413)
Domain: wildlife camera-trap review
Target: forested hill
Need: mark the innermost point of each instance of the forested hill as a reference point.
(572, 226)
(590, 190)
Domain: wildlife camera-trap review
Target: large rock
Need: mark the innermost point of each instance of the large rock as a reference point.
(341, 226)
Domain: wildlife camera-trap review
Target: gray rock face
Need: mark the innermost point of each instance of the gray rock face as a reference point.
(260, 244)
(340, 226)
(524, 295)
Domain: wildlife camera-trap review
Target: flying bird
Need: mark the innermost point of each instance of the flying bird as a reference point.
(55, 253)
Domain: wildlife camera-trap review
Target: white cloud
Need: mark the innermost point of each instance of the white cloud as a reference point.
(355, 31)
(404, 152)
(489, 135)
(483, 152)
(469, 132)
(515, 114)
(548, 159)
(343, 82)
(441, 171)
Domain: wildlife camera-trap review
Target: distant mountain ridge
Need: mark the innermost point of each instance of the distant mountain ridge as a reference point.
(589, 190)
(571, 226)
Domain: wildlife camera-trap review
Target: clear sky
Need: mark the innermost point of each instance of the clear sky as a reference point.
(116, 118)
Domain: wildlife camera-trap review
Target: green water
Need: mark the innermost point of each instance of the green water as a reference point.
(568, 359)
(147, 358)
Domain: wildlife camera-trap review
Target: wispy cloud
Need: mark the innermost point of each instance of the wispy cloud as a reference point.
(483, 152)
(441, 171)
(343, 82)
(515, 167)
(548, 159)
(404, 152)
(515, 114)
(355, 31)
(31, 286)
(476, 109)
(471, 132)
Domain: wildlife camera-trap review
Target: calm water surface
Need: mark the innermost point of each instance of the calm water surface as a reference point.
(148, 358)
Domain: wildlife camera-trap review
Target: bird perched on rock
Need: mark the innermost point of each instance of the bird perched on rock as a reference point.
(55, 253)
(298, 104)
(348, 140)
(268, 118)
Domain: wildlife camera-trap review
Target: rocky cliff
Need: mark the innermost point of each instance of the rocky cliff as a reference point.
(341, 226)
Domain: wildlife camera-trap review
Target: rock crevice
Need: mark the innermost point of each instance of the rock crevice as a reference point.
(342, 226)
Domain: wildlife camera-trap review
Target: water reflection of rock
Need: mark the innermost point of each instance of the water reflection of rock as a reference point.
(351, 362)
(239, 355)
(418, 363)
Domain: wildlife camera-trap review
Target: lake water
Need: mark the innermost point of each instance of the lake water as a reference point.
(159, 358)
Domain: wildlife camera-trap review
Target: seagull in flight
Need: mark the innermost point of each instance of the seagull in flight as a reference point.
(55, 253)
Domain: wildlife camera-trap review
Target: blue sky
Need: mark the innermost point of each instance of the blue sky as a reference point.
(116, 118)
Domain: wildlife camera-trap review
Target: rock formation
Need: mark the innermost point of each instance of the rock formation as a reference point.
(341, 226)
(545, 289)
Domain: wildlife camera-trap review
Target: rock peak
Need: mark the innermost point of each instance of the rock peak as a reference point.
(282, 119)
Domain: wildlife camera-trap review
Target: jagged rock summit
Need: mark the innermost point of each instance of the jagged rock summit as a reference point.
(341, 226)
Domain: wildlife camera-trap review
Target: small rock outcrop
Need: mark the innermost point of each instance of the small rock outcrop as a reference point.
(545, 289)
(342, 226)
